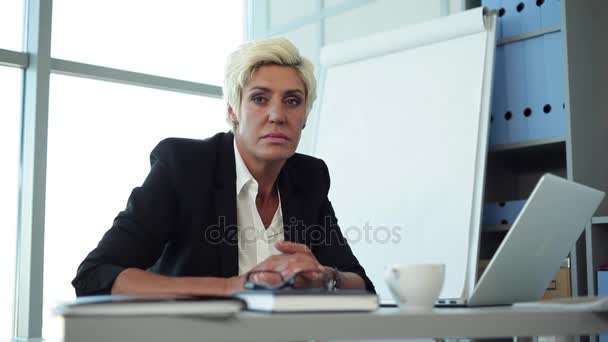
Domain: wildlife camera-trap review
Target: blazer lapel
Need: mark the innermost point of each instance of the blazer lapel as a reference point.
(291, 205)
(225, 207)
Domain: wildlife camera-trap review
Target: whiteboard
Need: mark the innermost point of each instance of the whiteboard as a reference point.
(403, 127)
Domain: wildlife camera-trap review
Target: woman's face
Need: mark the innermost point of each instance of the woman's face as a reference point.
(273, 109)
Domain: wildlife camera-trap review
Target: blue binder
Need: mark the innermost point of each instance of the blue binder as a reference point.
(520, 16)
(498, 129)
(536, 84)
(516, 92)
(602, 283)
(602, 290)
(528, 101)
(512, 22)
(530, 16)
(550, 13)
(555, 123)
(501, 212)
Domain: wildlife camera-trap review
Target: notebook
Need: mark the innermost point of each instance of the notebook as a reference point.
(309, 300)
(151, 305)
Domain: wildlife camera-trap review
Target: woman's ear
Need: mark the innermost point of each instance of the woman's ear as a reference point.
(232, 114)
(233, 118)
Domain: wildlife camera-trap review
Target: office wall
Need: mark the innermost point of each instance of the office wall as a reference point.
(312, 24)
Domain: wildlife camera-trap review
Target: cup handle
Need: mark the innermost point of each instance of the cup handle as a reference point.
(390, 278)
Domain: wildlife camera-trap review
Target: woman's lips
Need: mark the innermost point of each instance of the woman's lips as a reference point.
(275, 137)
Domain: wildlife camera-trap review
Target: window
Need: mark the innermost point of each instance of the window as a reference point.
(10, 129)
(11, 25)
(184, 39)
(100, 133)
(100, 138)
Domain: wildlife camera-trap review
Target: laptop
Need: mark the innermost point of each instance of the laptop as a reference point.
(538, 241)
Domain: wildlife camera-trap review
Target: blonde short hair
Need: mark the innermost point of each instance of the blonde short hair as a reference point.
(243, 62)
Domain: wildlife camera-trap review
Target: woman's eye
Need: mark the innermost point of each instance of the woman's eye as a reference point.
(294, 101)
(258, 99)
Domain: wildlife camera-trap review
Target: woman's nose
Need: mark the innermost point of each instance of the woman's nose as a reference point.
(276, 114)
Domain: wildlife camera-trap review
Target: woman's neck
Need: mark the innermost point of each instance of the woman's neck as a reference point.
(265, 172)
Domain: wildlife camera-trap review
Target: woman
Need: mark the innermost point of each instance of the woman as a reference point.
(211, 211)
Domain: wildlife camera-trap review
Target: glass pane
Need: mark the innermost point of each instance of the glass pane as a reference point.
(10, 129)
(379, 16)
(284, 12)
(306, 38)
(334, 3)
(184, 39)
(11, 25)
(100, 138)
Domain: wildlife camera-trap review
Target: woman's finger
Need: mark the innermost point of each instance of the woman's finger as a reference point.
(291, 247)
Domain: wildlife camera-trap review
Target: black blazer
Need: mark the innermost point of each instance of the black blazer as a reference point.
(182, 220)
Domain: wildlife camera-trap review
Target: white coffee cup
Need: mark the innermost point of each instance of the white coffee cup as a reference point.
(415, 287)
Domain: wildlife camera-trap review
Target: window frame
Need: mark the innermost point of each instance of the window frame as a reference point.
(27, 311)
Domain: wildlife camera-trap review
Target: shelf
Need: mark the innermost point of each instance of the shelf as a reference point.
(543, 154)
(600, 220)
(495, 228)
(538, 143)
(528, 35)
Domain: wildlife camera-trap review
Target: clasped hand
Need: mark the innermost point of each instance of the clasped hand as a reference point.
(295, 258)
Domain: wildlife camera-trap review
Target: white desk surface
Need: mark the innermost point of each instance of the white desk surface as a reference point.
(386, 323)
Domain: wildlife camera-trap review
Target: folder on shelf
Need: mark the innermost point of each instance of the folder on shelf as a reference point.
(498, 129)
(550, 14)
(544, 87)
(516, 92)
(537, 88)
(529, 86)
(555, 123)
(512, 19)
(602, 290)
(495, 213)
(530, 16)
(602, 283)
(520, 17)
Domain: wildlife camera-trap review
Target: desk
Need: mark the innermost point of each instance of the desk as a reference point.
(385, 323)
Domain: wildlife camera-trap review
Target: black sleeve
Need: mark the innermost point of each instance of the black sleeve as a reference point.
(333, 250)
(138, 234)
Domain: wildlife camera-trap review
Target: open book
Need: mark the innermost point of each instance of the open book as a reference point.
(154, 305)
(308, 300)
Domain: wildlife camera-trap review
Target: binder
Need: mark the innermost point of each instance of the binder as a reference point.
(530, 16)
(528, 100)
(501, 212)
(555, 119)
(602, 283)
(550, 13)
(515, 85)
(512, 23)
(525, 16)
(537, 92)
(499, 104)
(602, 290)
